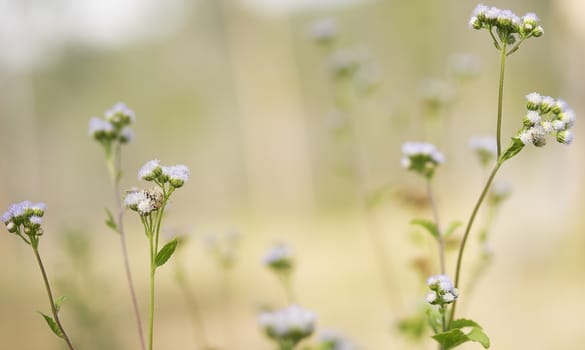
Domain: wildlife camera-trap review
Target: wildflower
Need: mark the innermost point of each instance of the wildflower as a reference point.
(546, 116)
(289, 325)
(279, 258)
(144, 201)
(421, 157)
(343, 62)
(120, 115)
(333, 340)
(510, 28)
(485, 148)
(24, 217)
(435, 94)
(442, 292)
(177, 175)
(101, 129)
(324, 31)
(150, 171)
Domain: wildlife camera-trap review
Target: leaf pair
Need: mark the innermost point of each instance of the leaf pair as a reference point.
(455, 336)
(432, 228)
(51, 322)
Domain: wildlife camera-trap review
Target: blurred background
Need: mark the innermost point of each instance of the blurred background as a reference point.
(284, 147)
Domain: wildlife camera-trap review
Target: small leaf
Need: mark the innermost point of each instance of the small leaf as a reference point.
(512, 150)
(111, 222)
(59, 301)
(165, 253)
(477, 335)
(452, 227)
(53, 325)
(462, 323)
(378, 196)
(428, 225)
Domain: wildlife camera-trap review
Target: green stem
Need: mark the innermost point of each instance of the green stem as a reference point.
(151, 308)
(114, 160)
(468, 229)
(50, 294)
(440, 239)
(500, 97)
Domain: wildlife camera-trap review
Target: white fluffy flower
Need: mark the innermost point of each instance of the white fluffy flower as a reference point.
(290, 322)
(324, 30)
(150, 170)
(483, 144)
(279, 254)
(98, 126)
(118, 110)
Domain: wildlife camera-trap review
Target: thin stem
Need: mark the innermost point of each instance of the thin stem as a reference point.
(51, 300)
(500, 97)
(440, 239)
(468, 229)
(285, 278)
(114, 161)
(151, 307)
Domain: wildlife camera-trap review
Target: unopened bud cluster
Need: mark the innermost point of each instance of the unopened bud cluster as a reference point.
(289, 325)
(24, 218)
(175, 175)
(507, 23)
(279, 258)
(114, 125)
(442, 292)
(545, 116)
(421, 157)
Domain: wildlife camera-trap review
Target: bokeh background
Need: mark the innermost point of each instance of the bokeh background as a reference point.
(239, 92)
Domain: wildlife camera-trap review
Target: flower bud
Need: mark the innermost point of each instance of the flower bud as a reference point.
(565, 137)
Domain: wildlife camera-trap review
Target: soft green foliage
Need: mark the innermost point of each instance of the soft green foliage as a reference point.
(515, 147)
(428, 225)
(110, 221)
(53, 325)
(455, 336)
(165, 253)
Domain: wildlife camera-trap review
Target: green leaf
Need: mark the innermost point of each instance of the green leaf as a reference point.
(463, 322)
(512, 150)
(59, 301)
(165, 253)
(455, 336)
(452, 227)
(477, 335)
(53, 325)
(428, 225)
(451, 339)
(111, 222)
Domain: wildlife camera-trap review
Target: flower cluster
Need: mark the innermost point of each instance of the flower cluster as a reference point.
(546, 116)
(289, 325)
(24, 217)
(484, 147)
(332, 340)
(114, 126)
(324, 31)
(442, 290)
(175, 175)
(144, 201)
(421, 157)
(279, 258)
(506, 22)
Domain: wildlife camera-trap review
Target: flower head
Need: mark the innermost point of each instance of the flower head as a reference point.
(288, 325)
(442, 290)
(485, 148)
(120, 115)
(177, 175)
(324, 31)
(24, 217)
(279, 258)
(334, 340)
(144, 201)
(510, 28)
(150, 171)
(421, 157)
